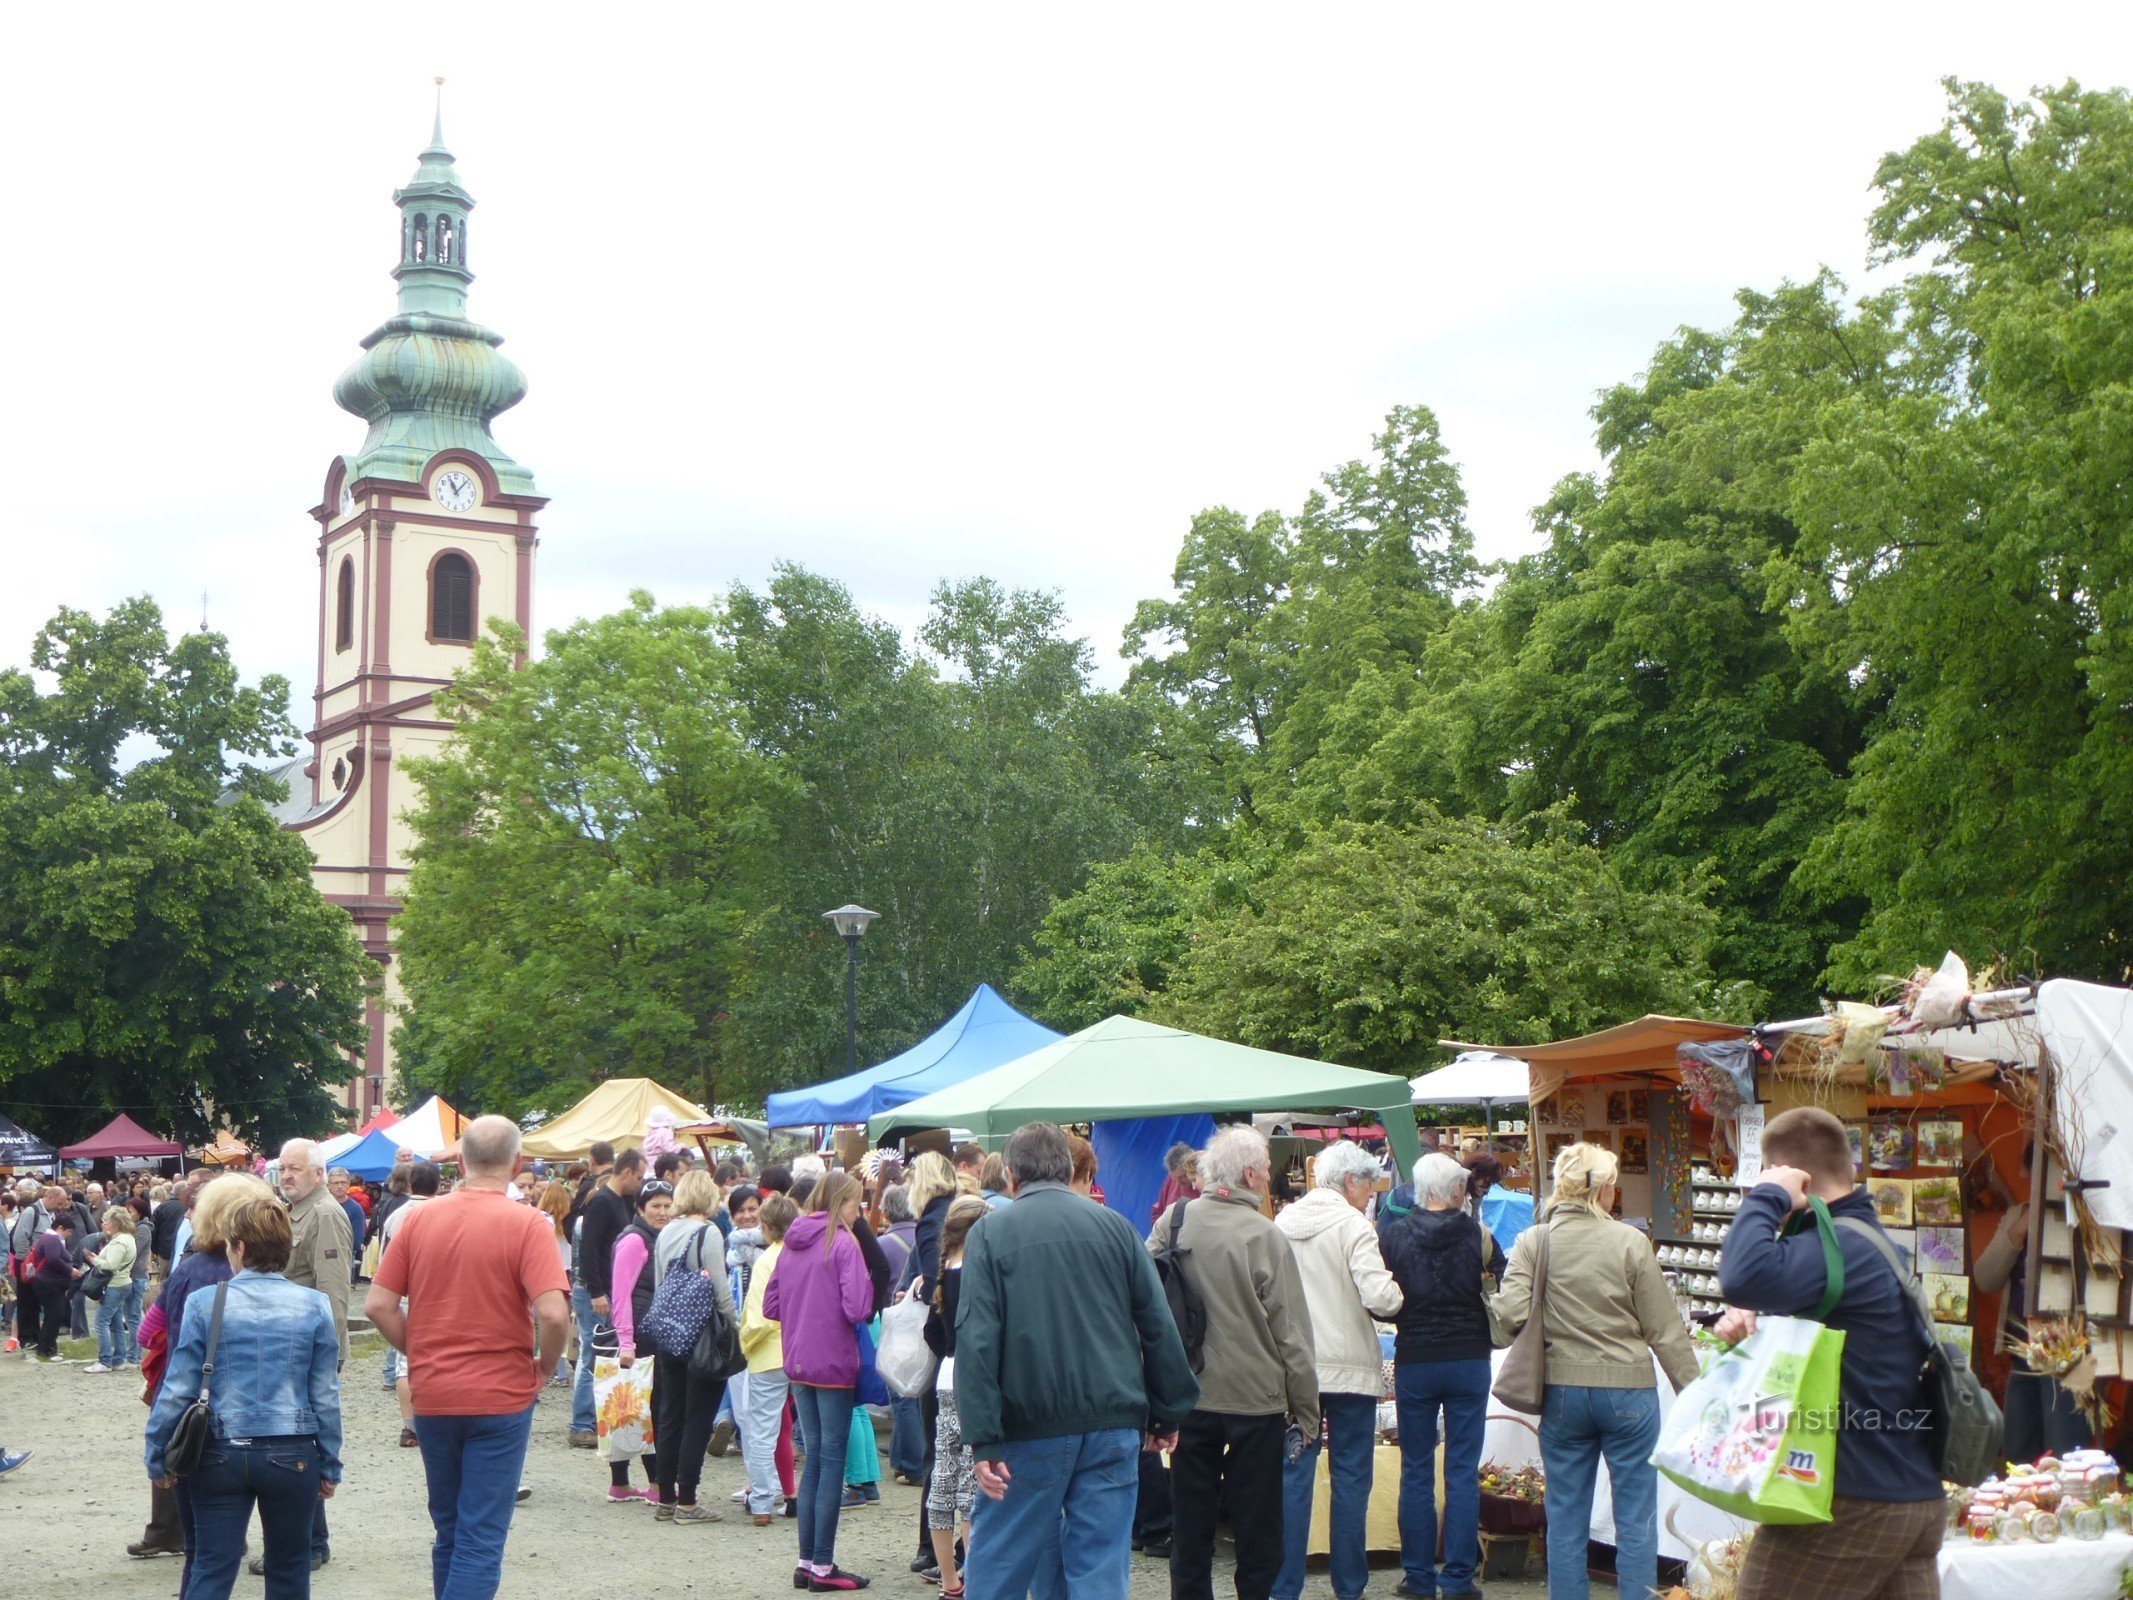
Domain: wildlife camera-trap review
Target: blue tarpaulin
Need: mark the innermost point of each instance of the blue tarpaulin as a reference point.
(986, 1033)
(1129, 1159)
(370, 1157)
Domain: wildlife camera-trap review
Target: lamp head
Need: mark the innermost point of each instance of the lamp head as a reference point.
(850, 921)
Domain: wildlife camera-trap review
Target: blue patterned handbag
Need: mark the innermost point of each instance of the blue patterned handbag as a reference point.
(680, 1308)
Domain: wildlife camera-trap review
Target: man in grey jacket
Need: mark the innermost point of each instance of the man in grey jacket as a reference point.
(318, 1259)
(1258, 1373)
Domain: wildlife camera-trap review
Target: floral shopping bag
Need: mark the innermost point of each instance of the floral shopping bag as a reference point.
(1756, 1435)
(622, 1402)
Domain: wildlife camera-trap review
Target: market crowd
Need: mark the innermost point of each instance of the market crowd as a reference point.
(1089, 1387)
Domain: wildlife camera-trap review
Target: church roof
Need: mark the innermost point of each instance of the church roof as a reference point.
(429, 379)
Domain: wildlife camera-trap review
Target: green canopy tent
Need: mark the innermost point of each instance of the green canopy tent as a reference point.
(1124, 1067)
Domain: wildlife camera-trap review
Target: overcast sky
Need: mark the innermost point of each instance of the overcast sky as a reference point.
(902, 292)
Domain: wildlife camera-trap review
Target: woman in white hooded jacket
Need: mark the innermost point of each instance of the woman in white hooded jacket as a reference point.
(1345, 1285)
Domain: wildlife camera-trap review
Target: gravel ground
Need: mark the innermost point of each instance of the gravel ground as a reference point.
(86, 1497)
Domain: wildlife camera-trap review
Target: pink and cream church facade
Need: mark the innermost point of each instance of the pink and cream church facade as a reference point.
(425, 531)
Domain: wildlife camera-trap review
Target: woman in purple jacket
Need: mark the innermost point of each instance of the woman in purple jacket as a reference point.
(817, 1293)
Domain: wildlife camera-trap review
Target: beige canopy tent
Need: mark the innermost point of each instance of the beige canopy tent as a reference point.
(1644, 1046)
(617, 1113)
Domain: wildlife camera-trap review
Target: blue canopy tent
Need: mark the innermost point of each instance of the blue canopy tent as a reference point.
(986, 1033)
(369, 1157)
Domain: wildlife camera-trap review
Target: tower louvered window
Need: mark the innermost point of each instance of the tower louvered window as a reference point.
(452, 599)
(344, 606)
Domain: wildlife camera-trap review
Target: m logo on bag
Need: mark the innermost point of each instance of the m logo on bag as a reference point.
(1800, 1467)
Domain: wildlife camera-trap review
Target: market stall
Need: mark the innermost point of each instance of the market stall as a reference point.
(20, 1148)
(122, 1136)
(618, 1112)
(427, 1131)
(1124, 1067)
(983, 1034)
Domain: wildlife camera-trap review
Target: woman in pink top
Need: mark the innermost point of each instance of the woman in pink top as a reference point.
(631, 1298)
(818, 1292)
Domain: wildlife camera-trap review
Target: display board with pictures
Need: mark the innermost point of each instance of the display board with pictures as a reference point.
(1912, 1174)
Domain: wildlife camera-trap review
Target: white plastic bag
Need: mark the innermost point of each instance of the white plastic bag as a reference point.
(902, 1356)
(622, 1405)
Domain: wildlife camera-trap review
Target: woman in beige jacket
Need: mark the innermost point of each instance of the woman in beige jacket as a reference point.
(1606, 1313)
(1345, 1285)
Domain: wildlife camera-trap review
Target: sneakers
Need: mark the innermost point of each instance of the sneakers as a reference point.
(623, 1494)
(739, 1497)
(663, 1512)
(694, 1514)
(585, 1441)
(854, 1497)
(834, 1581)
(10, 1461)
(98, 1366)
(721, 1436)
(525, 1493)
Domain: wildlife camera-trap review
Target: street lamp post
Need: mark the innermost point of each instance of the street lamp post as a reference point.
(850, 922)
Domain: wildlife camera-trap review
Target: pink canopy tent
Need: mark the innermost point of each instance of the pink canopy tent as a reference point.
(121, 1136)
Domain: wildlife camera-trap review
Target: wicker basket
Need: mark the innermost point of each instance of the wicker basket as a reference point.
(1505, 1514)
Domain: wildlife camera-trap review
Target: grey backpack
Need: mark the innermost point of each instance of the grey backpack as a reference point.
(1967, 1426)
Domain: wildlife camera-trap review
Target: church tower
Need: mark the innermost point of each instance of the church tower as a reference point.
(425, 532)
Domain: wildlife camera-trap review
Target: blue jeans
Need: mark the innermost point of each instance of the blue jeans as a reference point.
(392, 1366)
(1578, 1426)
(472, 1464)
(1461, 1390)
(825, 1418)
(907, 1450)
(582, 1417)
(1071, 1495)
(281, 1477)
(1352, 1423)
(117, 1315)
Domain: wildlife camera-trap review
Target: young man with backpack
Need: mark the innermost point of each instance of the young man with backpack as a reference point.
(1890, 1510)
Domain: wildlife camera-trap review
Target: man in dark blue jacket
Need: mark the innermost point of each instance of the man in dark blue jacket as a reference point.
(1889, 1512)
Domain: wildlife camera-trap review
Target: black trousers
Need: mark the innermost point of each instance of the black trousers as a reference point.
(683, 1409)
(1226, 1462)
(929, 1416)
(52, 1316)
(28, 1319)
(163, 1528)
(1151, 1506)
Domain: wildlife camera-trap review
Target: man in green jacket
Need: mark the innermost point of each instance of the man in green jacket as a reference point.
(1067, 1366)
(1258, 1371)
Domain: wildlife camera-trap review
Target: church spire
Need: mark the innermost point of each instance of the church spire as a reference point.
(430, 379)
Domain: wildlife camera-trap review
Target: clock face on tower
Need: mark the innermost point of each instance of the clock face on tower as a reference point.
(454, 490)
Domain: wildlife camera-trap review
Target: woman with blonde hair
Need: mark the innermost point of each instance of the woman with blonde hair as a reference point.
(683, 1404)
(275, 1442)
(205, 1264)
(933, 1189)
(1605, 1313)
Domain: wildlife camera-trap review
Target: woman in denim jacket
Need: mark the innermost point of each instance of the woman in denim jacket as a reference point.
(276, 1401)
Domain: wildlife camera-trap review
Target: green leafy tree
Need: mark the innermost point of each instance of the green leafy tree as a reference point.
(960, 792)
(1969, 550)
(1371, 942)
(162, 949)
(589, 853)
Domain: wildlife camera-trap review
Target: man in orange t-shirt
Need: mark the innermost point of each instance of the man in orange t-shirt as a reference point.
(488, 1314)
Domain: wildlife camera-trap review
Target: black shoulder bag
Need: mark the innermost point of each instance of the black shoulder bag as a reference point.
(195, 1425)
(1187, 1309)
(716, 1355)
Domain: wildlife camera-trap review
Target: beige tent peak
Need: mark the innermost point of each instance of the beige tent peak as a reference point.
(616, 1112)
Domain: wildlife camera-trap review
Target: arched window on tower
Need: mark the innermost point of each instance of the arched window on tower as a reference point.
(447, 240)
(452, 599)
(344, 606)
(421, 239)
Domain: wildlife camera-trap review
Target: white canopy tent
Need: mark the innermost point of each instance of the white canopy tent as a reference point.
(1477, 1077)
(424, 1132)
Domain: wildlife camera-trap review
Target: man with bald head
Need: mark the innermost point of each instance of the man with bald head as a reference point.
(485, 1317)
(319, 1255)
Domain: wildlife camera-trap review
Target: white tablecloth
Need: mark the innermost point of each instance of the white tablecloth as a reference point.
(2069, 1570)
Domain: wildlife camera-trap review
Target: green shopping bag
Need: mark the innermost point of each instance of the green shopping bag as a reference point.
(1756, 1434)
